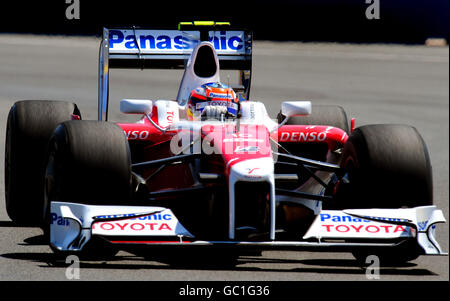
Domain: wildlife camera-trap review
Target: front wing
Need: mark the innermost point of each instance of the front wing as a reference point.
(73, 225)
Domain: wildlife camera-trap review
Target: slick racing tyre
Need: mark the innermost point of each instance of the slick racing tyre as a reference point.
(88, 162)
(29, 127)
(387, 166)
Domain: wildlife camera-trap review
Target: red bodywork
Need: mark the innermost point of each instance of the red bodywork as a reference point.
(223, 144)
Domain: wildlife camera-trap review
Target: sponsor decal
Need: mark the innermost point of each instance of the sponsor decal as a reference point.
(350, 228)
(341, 218)
(246, 149)
(251, 170)
(252, 111)
(151, 40)
(200, 91)
(252, 174)
(161, 223)
(221, 95)
(202, 105)
(303, 137)
(56, 219)
(133, 226)
(387, 219)
(349, 218)
(154, 217)
(170, 116)
(171, 41)
(422, 225)
(136, 135)
(227, 40)
(338, 224)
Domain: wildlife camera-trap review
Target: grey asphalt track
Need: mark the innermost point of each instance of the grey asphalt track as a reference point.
(374, 84)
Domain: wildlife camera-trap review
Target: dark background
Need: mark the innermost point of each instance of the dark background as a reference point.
(402, 21)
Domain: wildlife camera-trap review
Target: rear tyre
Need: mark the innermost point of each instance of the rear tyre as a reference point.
(388, 166)
(88, 162)
(29, 127)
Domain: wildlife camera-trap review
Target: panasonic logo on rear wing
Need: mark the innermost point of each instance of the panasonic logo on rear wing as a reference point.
(137, 48)
(144, 41)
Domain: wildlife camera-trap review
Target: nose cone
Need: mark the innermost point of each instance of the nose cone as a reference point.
(253, 170)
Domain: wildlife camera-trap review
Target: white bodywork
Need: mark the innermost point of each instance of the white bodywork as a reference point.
(190, 80)
(292, 108)
(264, 173)
(254, 112)
(72, 225)
(136, 106)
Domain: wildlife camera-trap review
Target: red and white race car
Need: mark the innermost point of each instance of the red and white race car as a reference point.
(228, 182)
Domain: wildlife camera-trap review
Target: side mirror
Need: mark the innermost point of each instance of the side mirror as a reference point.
(292, 108)
(136, 106)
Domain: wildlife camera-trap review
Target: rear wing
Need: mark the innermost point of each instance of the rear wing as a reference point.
(137, 48)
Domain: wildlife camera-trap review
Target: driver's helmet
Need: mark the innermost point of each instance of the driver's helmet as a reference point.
(212, 94)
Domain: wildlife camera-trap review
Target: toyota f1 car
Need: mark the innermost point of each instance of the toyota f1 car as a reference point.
(305, 181)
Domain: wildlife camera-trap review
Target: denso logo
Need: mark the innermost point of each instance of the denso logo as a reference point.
(136, 135)
(303, 137)
(169, 40)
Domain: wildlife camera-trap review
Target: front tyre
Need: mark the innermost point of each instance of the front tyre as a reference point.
(88, 162)
(387, 166)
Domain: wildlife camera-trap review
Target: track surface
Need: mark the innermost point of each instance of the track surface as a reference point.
(375, 84)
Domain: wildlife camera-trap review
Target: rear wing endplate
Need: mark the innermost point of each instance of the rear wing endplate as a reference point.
(137, 48)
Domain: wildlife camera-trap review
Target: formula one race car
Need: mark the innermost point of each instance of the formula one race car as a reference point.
(210, 170)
